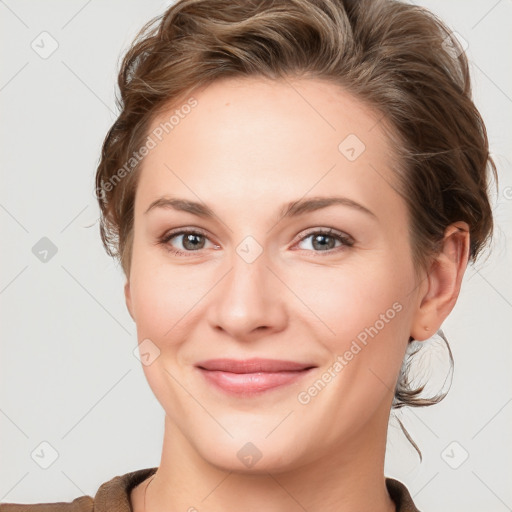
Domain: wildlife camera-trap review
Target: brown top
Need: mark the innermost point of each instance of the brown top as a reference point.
(114, 496)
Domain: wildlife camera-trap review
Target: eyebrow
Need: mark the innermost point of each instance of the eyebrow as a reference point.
(291, 209)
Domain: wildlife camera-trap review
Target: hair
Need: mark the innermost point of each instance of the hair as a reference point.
(398, 59)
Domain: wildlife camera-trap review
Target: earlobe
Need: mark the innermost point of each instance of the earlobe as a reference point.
(128, 298)
(443, 279)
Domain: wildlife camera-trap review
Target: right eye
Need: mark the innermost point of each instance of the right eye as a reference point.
(191, 241)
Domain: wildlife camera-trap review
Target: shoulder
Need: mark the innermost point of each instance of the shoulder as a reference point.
(81, 504)
(400, 495)
(111, 495)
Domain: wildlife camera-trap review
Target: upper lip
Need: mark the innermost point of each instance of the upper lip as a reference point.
(255, 365)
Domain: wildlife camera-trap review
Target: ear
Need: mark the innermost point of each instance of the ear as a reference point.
(442, 282)
(128, 298)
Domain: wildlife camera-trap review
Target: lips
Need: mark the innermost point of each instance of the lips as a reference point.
(251, 376)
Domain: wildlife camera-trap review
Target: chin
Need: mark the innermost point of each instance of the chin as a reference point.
(250, 450)
(250, 458)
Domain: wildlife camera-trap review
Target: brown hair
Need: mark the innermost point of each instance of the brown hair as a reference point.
(397, 58)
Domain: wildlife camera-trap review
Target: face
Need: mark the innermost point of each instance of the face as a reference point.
(271, 279)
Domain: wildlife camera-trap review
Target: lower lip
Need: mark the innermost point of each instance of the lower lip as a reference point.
(251, 383)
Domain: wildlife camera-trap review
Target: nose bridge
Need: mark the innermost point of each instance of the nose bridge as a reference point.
(248, 298)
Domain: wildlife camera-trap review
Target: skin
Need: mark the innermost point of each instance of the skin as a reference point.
(249, 147)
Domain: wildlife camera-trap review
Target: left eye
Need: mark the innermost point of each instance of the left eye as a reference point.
(326, 240)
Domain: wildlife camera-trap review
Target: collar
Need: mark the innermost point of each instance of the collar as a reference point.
(114, 495)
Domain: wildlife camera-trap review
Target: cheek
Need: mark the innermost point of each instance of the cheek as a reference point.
(365, 314)
(158, 307)
(350, 299)
(166, 301)
(166, 297)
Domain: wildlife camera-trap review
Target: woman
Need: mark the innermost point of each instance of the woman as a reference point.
(294, 190)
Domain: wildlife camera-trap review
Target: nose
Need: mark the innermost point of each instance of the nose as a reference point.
(249, 301)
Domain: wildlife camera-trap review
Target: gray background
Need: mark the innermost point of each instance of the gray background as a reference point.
(68, 374)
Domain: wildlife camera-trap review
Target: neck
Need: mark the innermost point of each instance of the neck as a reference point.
(346, 479)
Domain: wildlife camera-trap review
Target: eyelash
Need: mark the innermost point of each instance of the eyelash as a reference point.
(346, 240)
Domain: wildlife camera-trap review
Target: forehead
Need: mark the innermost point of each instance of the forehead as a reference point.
(266, 141)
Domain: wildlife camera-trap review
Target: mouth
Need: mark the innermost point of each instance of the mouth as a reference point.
(252, 376)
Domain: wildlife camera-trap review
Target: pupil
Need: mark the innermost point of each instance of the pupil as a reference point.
(322, 239)
(192, 239)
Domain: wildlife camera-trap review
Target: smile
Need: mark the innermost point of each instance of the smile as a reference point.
(251, 376)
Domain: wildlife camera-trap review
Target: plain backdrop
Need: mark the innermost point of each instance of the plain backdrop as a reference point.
(73, 395)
